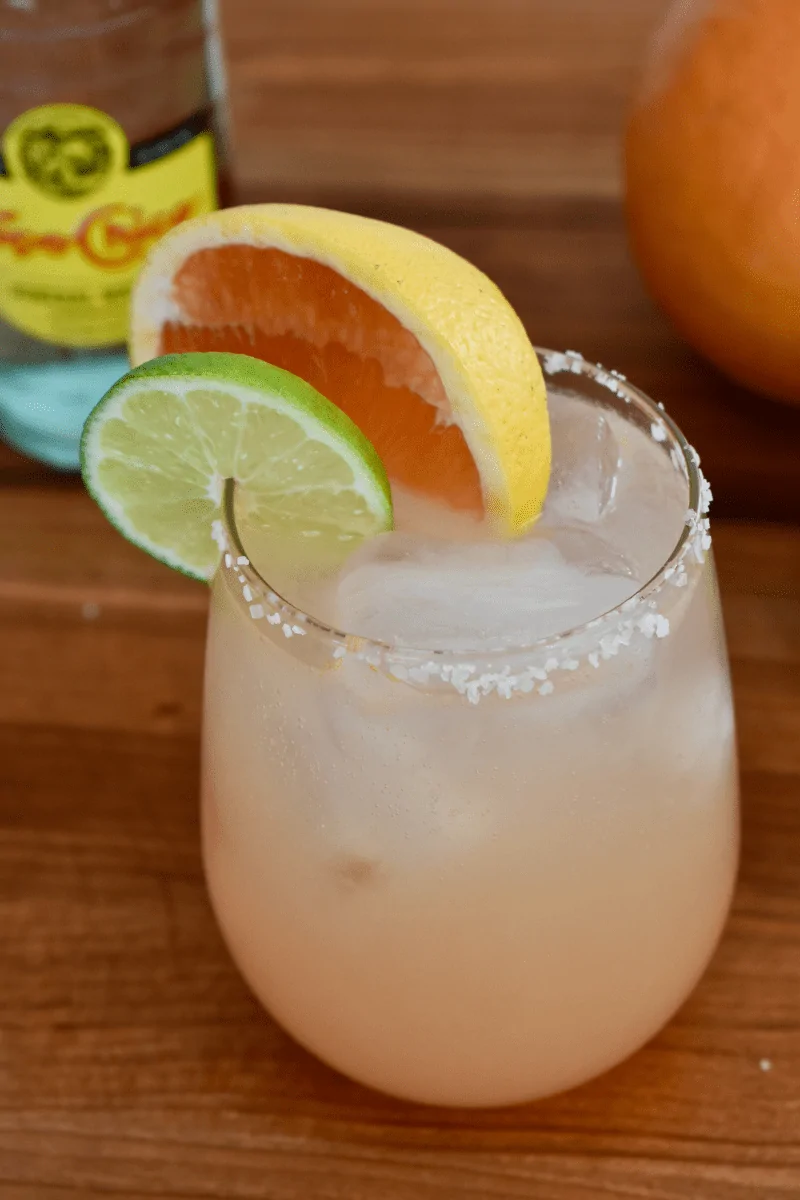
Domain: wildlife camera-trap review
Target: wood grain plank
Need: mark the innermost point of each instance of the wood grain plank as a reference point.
(448, 97)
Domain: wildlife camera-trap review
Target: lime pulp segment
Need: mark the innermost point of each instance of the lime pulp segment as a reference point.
(159, 446)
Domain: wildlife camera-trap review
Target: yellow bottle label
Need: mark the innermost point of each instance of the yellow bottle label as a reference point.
(79, 210)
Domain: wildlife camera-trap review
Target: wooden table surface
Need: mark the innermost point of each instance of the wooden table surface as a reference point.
(133, 1061)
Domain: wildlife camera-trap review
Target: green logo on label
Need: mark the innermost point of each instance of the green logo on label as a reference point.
(68, 161)
(65, 151)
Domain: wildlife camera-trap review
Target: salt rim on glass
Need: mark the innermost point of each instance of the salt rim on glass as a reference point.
(536, 668)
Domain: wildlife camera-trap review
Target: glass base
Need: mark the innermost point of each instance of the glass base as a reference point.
(43, 406)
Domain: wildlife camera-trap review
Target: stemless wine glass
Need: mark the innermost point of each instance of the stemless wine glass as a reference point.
(479, 878)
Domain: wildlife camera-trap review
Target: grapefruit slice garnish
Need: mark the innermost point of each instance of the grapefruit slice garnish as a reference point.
(412, 342)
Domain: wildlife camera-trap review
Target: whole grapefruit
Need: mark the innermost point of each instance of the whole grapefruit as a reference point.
(713, 184)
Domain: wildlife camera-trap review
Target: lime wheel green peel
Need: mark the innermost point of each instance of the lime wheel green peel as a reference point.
(158, 448)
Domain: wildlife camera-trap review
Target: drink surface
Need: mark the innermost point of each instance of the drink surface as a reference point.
(480, 903)
(442, 580)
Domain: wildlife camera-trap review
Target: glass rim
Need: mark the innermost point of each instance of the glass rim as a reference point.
(553, 362)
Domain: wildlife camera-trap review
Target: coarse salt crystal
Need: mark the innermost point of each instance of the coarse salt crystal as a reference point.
(706, 495)
(647, 624)
(555, 363)
(609, 646)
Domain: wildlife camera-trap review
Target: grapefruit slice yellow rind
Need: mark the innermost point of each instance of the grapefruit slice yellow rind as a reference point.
(416, 344)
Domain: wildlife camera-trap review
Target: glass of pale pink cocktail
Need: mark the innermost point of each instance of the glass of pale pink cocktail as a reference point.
(470, 810)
